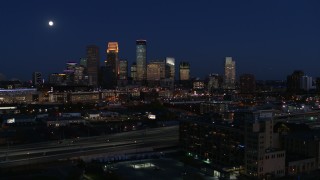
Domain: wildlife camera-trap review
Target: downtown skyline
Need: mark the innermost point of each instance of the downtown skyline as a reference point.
(269, 40)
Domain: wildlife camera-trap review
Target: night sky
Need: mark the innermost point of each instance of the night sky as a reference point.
(267, 38)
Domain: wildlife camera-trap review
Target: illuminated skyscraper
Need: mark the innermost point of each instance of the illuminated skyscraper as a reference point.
(141, 59)
(123, 69)
(156, 71)
(112, 63)
(93, 64)
(229, 73)
(184, 71)
(113, 57)
(133, 71)
(170, 62)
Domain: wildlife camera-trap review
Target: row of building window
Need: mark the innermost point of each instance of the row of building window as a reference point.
(274, 156)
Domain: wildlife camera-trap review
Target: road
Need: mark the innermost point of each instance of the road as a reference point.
(72, 148)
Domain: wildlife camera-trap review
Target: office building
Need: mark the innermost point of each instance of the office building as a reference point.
(93, 59)
(123, 70)
(214, 82)
(57, 79)
(229, 73)
(113, 57)
(71, 66)
(36, 78)
(69, 72)
(133, 72)
(156, 70)
(306, 83)
(263, 158)
(79, 76)
(112, 62)
(218, 144)
(83, 62)
(247, 83)
(170, 62)
(141, 59)
(184, 71)
(293, 81)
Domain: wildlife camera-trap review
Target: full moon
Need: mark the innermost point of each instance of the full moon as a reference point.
(51, 23)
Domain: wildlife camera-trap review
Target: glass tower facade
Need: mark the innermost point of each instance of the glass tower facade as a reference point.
(141, 59)
(229, 73)
(133, 71)
(123, 69)
(184, 71)
(170, 61)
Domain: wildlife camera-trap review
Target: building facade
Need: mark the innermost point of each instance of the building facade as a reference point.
(170, 62)
(306, 83)
(141, 59)
(293, 81)
(36, 78)
(229, 73)
(263, 156)
(156, 71)
(214, 82)
(133, 71)
(123, 69)
(218, 144)
(93, 59)
(184, 71)
(247, 83)
(112, 62)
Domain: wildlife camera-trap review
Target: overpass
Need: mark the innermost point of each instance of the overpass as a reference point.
(125, 143)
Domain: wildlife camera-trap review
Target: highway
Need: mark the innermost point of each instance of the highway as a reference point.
(17, 155)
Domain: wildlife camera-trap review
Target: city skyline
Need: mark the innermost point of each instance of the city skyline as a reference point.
(269, 40)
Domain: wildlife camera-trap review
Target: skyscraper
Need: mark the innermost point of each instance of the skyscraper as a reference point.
(112, 64)
(36, 78)
(112, 56)
(307, 83)
(123, 69)
(184, 71)
(170, 61)
(79, 77)
(293, 81)
(214, 82)
(229, 73)
(133, 71)
(93, 64)
(141, 59)
(83, 62)
(69, 71)
(156, 70)
(247, 83)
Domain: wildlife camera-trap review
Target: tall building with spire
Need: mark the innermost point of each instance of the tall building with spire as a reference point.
(229, 73)
(141, 59)
(93, 58)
